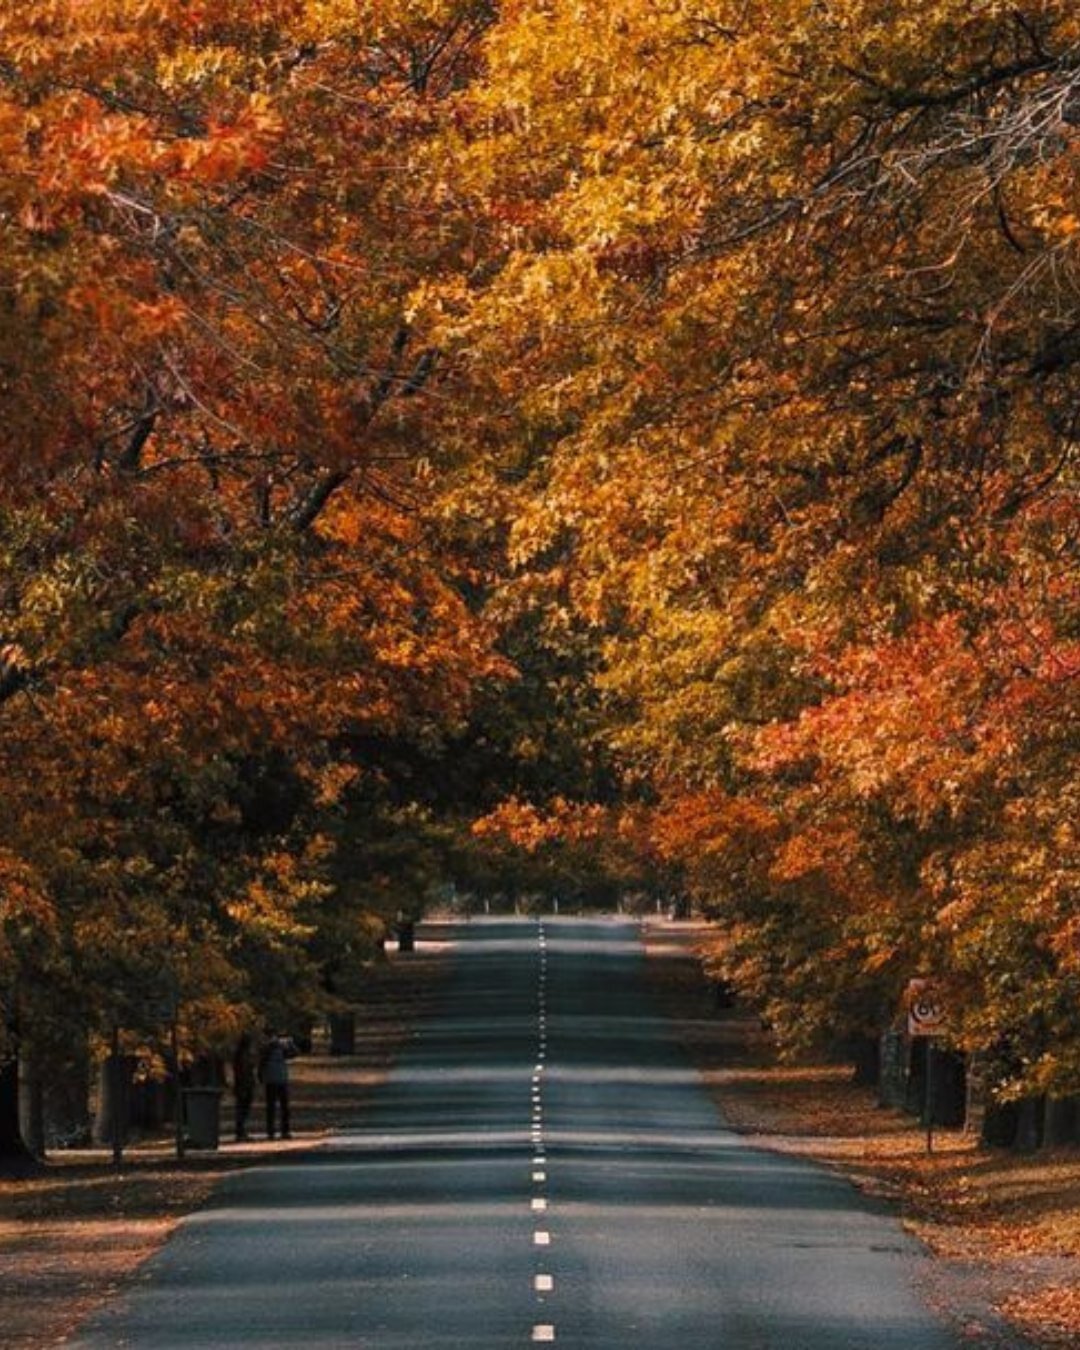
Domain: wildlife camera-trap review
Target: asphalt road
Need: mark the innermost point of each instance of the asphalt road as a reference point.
(543, 1166)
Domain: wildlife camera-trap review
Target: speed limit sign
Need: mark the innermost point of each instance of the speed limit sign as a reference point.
(925, 1014)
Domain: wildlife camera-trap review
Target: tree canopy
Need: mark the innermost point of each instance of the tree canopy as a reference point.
(620, 446)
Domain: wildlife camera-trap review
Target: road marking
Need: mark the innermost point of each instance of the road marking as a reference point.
(543, 1332)
(544, 1284)
(539, 1204)
(541, 1238)
(539, 1176)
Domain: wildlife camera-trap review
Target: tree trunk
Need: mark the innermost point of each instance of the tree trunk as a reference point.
(1000, 1121)
(113, 1101)
(915, 1097)
(892, 1078)
(67, 1099)
(1029, 1125)
(14, 1155)
(950, 1088)
(1060, 1121)
(31, 1102)
(865, 1052)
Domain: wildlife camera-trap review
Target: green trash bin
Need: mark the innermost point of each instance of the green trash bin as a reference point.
(202, 1116)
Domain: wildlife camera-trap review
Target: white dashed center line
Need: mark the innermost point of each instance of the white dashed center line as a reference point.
(542, 1283)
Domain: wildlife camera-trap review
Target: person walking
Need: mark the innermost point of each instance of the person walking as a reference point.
(274, 1058)
(243, 1066)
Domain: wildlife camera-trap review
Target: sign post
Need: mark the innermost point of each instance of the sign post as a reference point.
(926, 1020)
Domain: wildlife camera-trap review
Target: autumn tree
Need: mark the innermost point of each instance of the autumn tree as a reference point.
(713, 366)
(780, 336)
(218, 566)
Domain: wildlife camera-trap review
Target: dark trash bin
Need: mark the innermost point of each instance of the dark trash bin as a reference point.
(342, 1033)
(406, 936)
(202, 1116)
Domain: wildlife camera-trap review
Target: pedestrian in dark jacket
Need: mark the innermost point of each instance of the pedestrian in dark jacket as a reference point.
(274, 1058)
(243, 1082)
